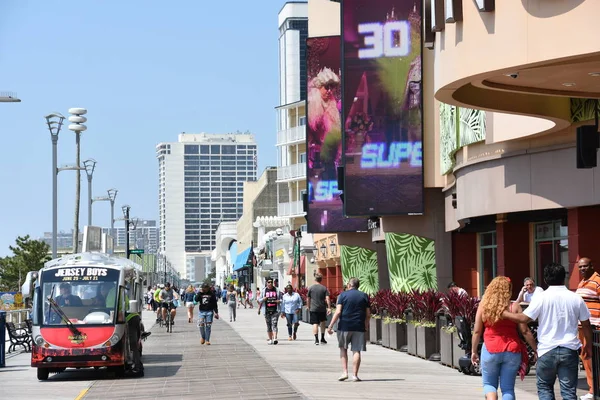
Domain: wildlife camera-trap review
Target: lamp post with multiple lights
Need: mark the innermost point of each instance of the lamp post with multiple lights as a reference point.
(77, 126)
(90, 166)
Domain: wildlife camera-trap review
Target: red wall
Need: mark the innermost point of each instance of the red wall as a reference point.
(583, 239)
(464, 261)
(513, 252)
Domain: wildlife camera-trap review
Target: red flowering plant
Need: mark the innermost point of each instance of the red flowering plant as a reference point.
(397, 305)
(459, 305)
(425, 306)
(377, 304)
(468, 309)
(333, 296)
(303, 292)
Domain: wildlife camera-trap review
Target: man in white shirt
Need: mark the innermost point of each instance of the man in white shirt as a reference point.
(529, 290)
(455, 288)
(558, 311)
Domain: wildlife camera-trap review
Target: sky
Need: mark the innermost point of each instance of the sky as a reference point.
(146, 70)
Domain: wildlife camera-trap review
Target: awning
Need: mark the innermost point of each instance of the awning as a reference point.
(242, 259)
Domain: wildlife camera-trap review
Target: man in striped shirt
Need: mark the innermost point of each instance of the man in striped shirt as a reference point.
(589, 290)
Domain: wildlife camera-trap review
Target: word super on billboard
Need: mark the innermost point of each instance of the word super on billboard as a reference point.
(324, 138)
(382, 107)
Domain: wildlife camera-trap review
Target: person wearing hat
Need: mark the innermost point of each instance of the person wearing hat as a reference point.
(66, 299)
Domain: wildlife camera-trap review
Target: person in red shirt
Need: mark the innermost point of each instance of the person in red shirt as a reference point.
(502, 351)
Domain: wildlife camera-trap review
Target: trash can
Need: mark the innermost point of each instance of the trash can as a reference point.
(2, 338)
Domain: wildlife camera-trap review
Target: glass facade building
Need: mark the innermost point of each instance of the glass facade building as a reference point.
(201, 180)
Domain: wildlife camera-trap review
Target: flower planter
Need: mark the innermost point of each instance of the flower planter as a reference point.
(385, 334)
(375, 330)
(457, 352)
(397, 335)
(426, 341)
(446, 347)
(411, 339)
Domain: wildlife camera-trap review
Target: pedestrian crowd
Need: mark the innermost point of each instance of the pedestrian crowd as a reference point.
(565, 320)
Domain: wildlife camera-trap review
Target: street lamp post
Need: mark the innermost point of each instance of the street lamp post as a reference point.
(77, 119)
(126, 210)
(55, 122)
(90, 166)
(112, 195)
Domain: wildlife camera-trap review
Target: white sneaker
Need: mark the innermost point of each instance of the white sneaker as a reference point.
(588, 396)
(269, 341)
(343, 377)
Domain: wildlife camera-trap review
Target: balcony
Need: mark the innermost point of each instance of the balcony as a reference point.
(291, 172)
(294, 135)
(292, 209)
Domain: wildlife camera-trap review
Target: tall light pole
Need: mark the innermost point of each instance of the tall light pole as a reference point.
(90, 166)
(77, 119)
(55, 122)
(126, 210)
(112, 195)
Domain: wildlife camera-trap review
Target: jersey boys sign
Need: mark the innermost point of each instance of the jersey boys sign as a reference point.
(382, 107)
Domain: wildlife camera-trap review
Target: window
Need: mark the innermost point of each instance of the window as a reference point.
(302, 121)
(302, 158)
(204, 149)
(551, 245)
(191, 149)
(228, 149)
(215, 149)
(487, 259)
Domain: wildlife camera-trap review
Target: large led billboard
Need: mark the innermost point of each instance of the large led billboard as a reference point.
(324, 138)
(382, 107)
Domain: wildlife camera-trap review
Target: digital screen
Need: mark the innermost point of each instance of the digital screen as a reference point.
(324, 138)
(382, 107)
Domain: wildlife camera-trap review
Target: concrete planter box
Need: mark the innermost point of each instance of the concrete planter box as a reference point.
(385, 334)
(446, 348)
(397, 336)
(375, 330)
(304, 314)
(411, 339)
(457, 352)
(426, 341)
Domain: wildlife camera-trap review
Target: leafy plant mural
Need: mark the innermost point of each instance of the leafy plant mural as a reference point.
(448, 142)
(471, 126)
(411, 261)
(583, 109)
(360, 263)
(459, 127)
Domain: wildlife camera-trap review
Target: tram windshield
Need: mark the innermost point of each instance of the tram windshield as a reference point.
(79, 295)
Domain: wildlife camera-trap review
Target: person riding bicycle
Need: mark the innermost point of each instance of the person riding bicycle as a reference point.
(157, 301)
(166, 296)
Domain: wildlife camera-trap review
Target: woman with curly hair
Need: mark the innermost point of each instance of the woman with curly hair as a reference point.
(502, 350)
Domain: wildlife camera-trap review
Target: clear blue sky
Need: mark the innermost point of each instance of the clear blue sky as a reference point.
(146, 70)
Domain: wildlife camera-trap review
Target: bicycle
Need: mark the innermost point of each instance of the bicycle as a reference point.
(169, 321)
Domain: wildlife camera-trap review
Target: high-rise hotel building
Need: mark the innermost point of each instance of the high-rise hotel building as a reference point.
(201, 180)
(291, 112)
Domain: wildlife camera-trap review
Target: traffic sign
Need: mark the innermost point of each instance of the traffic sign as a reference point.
(136, 251)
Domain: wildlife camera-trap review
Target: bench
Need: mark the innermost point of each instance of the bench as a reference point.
(18, 337)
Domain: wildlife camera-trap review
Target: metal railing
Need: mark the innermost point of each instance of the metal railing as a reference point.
(293, 135)
(290, 209)
(290, 172)
(18, 316)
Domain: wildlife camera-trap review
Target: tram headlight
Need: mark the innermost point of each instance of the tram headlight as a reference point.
(114, 339)
(39, 341)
